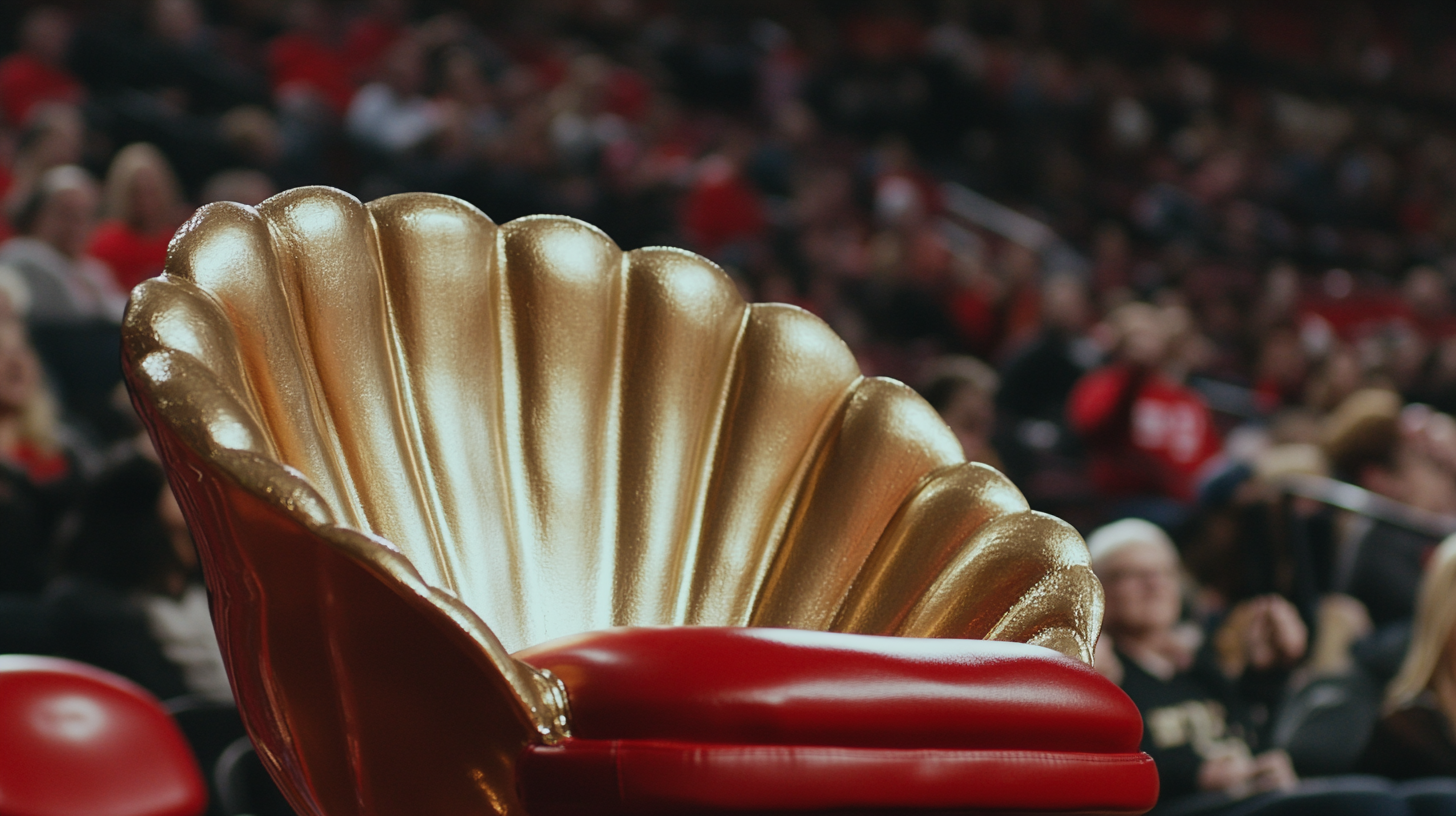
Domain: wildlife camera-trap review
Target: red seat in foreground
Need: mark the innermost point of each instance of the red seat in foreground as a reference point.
(79, 741)
(681, 719)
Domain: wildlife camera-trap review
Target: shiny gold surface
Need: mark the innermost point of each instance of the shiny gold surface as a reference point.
(400, 429)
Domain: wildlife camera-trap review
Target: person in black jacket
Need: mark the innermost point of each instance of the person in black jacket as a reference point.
(127, 597)
(1375, 562)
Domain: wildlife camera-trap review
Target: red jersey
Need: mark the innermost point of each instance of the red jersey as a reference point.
(40, 466)
(1145, 433)
(303, 61)
(132, 257)
(721, 208)
(26, 82)
(368, 40)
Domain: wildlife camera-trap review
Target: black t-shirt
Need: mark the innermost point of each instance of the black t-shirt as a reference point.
(106, 627)
(1035, 382)
(29, 513)
(1188, 718)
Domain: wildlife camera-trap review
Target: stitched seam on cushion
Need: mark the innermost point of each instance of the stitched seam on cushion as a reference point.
(989, 753)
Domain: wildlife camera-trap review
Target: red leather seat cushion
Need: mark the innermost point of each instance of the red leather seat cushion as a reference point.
(75, 740)
(790, 687)
(729, 720)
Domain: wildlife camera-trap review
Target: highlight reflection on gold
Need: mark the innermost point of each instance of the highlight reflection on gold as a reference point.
(410, 442)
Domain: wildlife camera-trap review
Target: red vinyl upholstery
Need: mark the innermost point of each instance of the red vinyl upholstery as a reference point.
(711, 719)
(79, 741)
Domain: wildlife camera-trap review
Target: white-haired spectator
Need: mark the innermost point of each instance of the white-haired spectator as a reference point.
(1196, 725)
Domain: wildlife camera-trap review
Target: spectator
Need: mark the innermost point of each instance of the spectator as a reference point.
(37, 480)
(471, 120)
(372, 34)
(128, 598)
(243, 186)
(721, 207)
(35, 486)
(963, 391)
(55, 224)
(1197, 725)
(304, 62)
(392, 116)
(1040, 450)
(182, 58)
(36, 73)
(1149, 437)
(73, 307)
(1380, 563)
(1041, 374)
(1415, 738)
(143, 207)
(254, 136)
(53, 137)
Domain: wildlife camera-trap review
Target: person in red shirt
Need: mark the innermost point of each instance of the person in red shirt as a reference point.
(304, 61)
(1148, 436)
(54, 136)
(36, 73)
(370, 36)
(143, 208)
(721, 207)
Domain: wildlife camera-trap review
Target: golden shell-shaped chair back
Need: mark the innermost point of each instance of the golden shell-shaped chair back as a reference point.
(398, 429)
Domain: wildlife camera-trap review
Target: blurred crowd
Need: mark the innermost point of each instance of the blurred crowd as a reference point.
(1233, 368)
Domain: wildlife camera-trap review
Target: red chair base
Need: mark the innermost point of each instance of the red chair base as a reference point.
(626, 778)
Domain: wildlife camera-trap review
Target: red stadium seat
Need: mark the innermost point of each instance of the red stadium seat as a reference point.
(79, 741)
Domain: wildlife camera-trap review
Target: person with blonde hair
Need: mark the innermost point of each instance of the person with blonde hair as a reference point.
(27, 411)
(1414, 738)
(143, 207)
(36, 476)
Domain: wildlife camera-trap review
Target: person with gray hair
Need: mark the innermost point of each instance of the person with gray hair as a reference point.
(63, 284)
(71, 305)
(1198, 726)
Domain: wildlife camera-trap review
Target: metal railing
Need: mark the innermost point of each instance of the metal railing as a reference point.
(970, 207)
(1356, 499)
